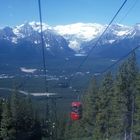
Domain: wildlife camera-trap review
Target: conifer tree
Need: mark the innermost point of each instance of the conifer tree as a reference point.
(61, 125)
(90, 101)
(76, 130)
(126, 91)
(1, 102)
(103, 124)
(1, 110)
(7, 130)
(29, 124)
(67, 133)
(16, 112)
(136, 127)
(29, 114)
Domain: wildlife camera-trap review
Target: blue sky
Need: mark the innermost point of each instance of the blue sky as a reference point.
(56, 12)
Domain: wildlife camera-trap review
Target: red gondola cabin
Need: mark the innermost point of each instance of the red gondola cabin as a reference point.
(76, 111)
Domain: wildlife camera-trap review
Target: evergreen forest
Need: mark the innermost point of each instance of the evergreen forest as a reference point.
(111, 111)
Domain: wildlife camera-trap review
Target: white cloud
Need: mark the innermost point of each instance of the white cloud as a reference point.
(74, 45)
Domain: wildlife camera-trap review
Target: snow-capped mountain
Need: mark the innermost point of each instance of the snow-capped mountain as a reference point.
(78, 37)
(29, 33)
(82, 37)
(78, 33)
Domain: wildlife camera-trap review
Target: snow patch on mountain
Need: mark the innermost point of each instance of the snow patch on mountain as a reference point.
(122, 33)
(16, 31)
(119, 30)
(36, 26)
(74, 44)
(27, 70)
(30, 26)
(111, 41)
(29, 29)
(14, 40)
(83, 31)
(122, 30)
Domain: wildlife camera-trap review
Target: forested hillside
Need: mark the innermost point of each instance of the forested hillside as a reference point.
(111, 107)
(111, 111)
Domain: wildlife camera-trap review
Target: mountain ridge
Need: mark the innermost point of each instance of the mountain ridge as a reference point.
(68, 40)
(75, 34)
